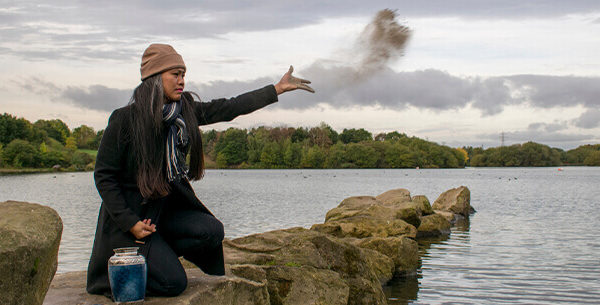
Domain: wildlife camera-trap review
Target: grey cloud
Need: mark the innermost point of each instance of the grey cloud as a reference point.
(427, 89)
(97, 97)
(219, 89)
(551, 91)
(117, 25)
(39, 86)
(589, 119)
(548, 127)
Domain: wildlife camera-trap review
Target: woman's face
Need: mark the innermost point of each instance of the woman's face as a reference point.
(173, 83)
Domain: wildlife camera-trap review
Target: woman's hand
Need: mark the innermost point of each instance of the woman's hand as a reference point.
(289, 83)
(142, 229)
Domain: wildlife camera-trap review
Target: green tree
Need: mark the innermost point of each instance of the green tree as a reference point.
(355, 135)
(593, 159)
(20, 153)
(257, 137)
(299, 135)
(80, 159)
(233, 146)
(336, 156)
(394, 136)
(313, 158)
(400, 156)
(292, 154)
(43, 148)
(331, 133)
(84, 136)
(271, 156)
(55, 129)
(51, 158)
(478, 160)
(221, 160)
(71, 144)
(12, 128)
(578, 155)
(362, 156)
(209, 140)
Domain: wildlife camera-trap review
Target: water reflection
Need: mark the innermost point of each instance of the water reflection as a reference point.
(405, 290)
(402, 290)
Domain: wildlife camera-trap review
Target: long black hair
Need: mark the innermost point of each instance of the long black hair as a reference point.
(148, 136)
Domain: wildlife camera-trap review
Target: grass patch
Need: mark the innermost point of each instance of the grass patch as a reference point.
(18, 171)
(91, 152)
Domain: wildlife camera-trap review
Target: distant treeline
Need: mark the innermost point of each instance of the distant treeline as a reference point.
(46, 143)
(323, 147)
(533, 154)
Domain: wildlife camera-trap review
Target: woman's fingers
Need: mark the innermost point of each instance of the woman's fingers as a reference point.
(306, 87)
(304, 81)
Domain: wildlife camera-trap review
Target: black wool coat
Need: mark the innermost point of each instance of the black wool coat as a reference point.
(122, 203)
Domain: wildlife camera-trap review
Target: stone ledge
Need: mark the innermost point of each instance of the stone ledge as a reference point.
(69, 288)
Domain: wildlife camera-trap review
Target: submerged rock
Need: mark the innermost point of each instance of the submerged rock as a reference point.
(29, 240)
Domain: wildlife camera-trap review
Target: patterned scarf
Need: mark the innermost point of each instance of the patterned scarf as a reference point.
(177, 141)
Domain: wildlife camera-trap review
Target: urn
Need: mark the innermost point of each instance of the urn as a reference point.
(127, 275)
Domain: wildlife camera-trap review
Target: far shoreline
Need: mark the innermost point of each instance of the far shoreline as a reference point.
(28, 171)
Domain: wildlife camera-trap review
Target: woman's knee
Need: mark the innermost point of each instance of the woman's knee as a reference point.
(211, 233)
(168, 285)
(218, 232)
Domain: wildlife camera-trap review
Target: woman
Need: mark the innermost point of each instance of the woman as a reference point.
(143, 178)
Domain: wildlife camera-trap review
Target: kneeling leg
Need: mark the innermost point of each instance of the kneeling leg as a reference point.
(198, 237)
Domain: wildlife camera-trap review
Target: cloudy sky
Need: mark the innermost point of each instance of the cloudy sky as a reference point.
(471, 70)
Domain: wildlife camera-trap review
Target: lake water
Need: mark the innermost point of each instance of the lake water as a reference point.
(535, 238)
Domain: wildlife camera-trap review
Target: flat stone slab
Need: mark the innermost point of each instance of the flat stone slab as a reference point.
(69, 288)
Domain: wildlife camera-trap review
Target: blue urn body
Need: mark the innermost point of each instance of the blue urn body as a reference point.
(127, 275)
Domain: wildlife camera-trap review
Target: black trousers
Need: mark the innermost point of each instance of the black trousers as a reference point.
(181, 231)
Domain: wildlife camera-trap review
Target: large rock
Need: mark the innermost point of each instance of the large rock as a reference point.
(299, 285)
(433, 225)
(365, 216)
(331, 264)
(386, 224)
(423, 204)
(457, 201)
(69, 288)
(29, 239)
(403, 251)
(294, 284)
(393, 197)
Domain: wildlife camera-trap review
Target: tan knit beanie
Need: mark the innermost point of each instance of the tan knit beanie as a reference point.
(159, 58)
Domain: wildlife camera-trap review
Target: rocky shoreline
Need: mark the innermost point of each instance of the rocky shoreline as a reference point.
(364, 243)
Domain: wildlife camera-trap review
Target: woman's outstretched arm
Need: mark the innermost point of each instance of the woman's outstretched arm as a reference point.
(222, 110)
